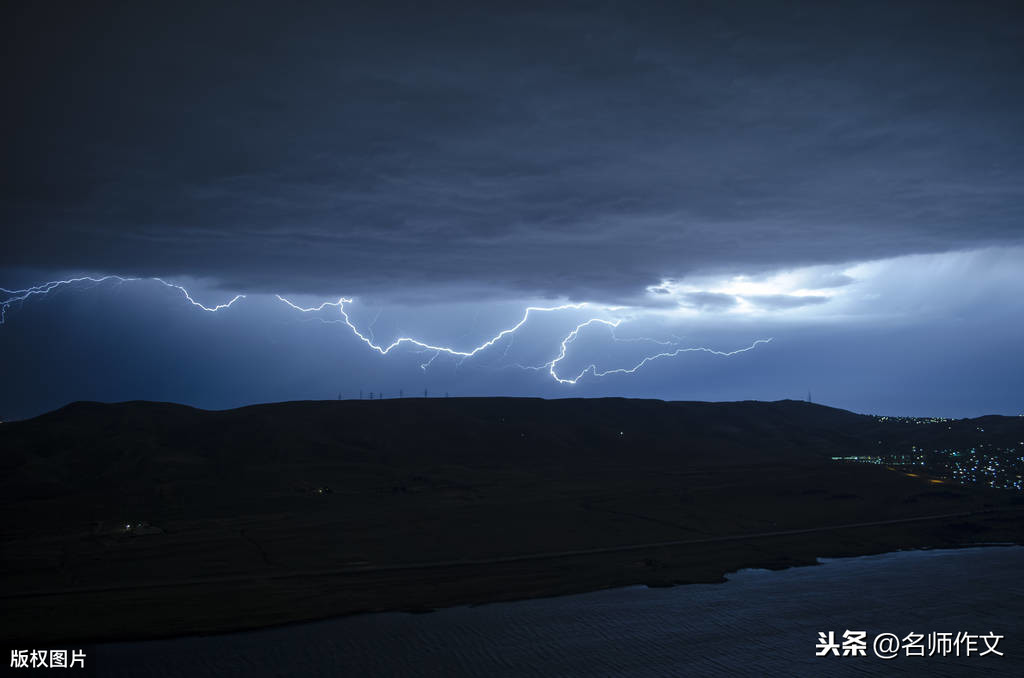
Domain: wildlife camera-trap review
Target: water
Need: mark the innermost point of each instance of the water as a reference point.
(758, 623)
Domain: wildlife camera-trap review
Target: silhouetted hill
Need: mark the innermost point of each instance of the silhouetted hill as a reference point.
(139, 518)
(125, 446)
(92, 444)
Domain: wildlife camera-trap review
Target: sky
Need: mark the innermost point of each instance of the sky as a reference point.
(699, 200)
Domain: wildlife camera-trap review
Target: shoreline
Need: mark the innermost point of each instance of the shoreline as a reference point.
(689, 630)
(566, 589)
(821, 560)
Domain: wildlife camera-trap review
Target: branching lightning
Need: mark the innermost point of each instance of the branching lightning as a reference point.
(17, 296)
(47, 287)
(384, 350)
(592, 368)
(424, 366)
(192, 301)
(20, 296)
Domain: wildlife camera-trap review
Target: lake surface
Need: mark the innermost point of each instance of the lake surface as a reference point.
(758, 623)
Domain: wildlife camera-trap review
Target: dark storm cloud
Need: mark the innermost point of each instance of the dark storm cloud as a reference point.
(828, 279)
(784, 301)
(707, 301)
(589, 151)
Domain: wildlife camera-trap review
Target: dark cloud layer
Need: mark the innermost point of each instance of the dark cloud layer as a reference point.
(590, 151)
(708, 301)
(784, 301)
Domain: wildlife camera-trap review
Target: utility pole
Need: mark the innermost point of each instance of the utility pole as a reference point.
(424, 393)
(401, 393)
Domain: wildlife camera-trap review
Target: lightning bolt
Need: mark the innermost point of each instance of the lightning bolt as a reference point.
(17, 296)
(384, 350)
(592, 368)
(47, 287)
(369, 328)
(20, 296)
(629, 340)
(210, 309)
(427, 364)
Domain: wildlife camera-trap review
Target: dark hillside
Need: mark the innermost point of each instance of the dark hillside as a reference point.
(135, 519)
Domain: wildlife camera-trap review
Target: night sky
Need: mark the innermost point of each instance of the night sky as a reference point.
(845, 179)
